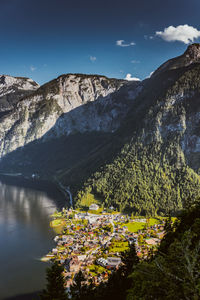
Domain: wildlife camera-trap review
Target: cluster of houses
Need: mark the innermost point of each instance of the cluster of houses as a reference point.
(87, 239)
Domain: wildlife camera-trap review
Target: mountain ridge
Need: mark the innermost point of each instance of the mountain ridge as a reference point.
(190, 56)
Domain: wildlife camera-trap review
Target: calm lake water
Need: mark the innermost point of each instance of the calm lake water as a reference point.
(25, 236)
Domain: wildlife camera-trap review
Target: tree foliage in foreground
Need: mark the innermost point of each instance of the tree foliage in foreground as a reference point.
(55, 289)
(174, 273)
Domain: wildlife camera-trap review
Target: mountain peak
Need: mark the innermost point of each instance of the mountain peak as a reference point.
(21, 82)
(12, 89)
(193, 52)
(190, 56)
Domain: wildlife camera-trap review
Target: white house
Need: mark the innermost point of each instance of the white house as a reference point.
(114, 261)
(94, 206)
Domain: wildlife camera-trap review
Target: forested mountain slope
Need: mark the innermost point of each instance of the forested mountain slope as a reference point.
(157, 168)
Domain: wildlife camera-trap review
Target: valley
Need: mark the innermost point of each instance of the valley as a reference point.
(133, 145)
(129, 149)
(99, 150)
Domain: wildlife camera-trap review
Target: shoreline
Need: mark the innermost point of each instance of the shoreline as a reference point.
(37, 183)
(65, 190)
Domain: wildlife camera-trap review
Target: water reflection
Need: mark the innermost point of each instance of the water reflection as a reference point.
(25, 236)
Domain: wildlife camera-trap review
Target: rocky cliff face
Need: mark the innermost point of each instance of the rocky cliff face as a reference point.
(69, 104)
(174, 117)
(12, 89)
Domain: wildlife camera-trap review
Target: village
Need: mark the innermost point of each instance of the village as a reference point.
(92, 241)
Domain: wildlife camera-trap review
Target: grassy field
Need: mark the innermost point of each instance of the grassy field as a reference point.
(153, 221)
(118, 247)
(135, 226)
(58, 225)
(57, 222)
(94, 270)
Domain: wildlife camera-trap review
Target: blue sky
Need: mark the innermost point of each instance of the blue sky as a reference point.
(43, 39)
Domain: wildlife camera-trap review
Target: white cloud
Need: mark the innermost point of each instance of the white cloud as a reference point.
(135, 61)
(148, 37)
(32, 68)
(130, 78)
(93, 58)
(122, 43)
(181, 33)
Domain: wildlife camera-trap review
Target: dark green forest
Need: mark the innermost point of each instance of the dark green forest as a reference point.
(139, 181)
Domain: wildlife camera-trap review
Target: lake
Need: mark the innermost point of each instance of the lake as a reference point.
(25, 235)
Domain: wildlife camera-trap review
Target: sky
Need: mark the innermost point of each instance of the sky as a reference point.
(43, 39)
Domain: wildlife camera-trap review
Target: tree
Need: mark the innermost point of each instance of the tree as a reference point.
(119, 282)
(78, 289)
(55, 289)
(129, 259)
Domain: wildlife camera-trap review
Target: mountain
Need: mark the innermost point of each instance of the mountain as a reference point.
(190, 56)
(71, 115)
(13, 89)
(156, 170)
(134, 145)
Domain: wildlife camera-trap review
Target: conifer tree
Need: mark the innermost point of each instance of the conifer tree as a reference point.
(78, 288)
(55, 289)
